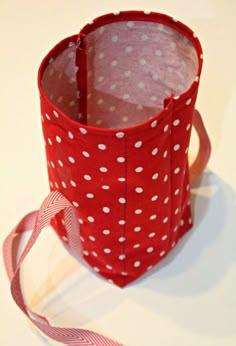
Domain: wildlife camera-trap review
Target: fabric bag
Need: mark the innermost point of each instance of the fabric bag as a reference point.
(118, 105)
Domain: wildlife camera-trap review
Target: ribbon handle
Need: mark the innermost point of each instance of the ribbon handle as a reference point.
(53, 204)
(204, 150)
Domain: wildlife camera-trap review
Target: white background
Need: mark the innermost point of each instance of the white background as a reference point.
(189, 299)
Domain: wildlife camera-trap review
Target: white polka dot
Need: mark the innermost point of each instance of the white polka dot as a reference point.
(120, 134)
(90, 195)
(55, 114)
(73, 183)
(85, 153)
(101, 55)
(92, 238)
(169, 69)
(85, 252)
(177, 170)
(60, 163)
(166, 200)
(173, 45)
(181, 222)
(90, 219)
(176, 97)
(147, 12)
(176, 147)
(112, 108)
(47, 116)
(188, 102)
(139, 107)
(150, 249)
(121, 257)
(201, 56)
(100, 101)
(106, 231)
(140, 85)
(165, 154)
(107, 265)
(58, 139)
(106, 250)
(128, 49)
(102, 146)
(114, 63)
(138, 144)
(155, 176)
(176, 211)
(75, 204)
(100, 78)
(99, 122)
(158, 52)
(121, 239)
(138, 169)
(121, 179)
(137, 229)
(176, 122)
(71, 159)
(153, 217)
(136, 246)
(190, 220)
(144, 37)
(188, 127)
(164, 237)
(106, 210)
(173, 244)
(80, 221)
(197, 79)
(154, 124)
(83, 130)
(160, 27)
(165, 178)
(56, 185)
(49, 141)
(139, 189)
(166, 128)
(165, 220)
(103, 169)
(176, 192)
(162, 253)
(126, 96)
(137, 264)
(87, 177)
(127, 73)
(187, 187)
(154, 151)
(52, 164)
(151, 235)
(138, 211)
(153, 98)
(114, 38)
(121, 222)
(121, 159)
(155, 76)
(70, 135)
(122, 200)
(125, 119)
(105, 187)
(96, 269)
(142, 62)
(154, 198)
(175, 229)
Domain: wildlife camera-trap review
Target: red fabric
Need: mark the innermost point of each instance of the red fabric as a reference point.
(117, 128)
(130, 185)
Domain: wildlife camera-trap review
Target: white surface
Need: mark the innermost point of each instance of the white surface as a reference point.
(189, 299)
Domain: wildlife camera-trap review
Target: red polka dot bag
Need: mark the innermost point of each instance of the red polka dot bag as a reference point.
(117, 105)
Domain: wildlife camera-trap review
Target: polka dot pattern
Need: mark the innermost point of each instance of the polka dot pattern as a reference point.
(128, 185)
